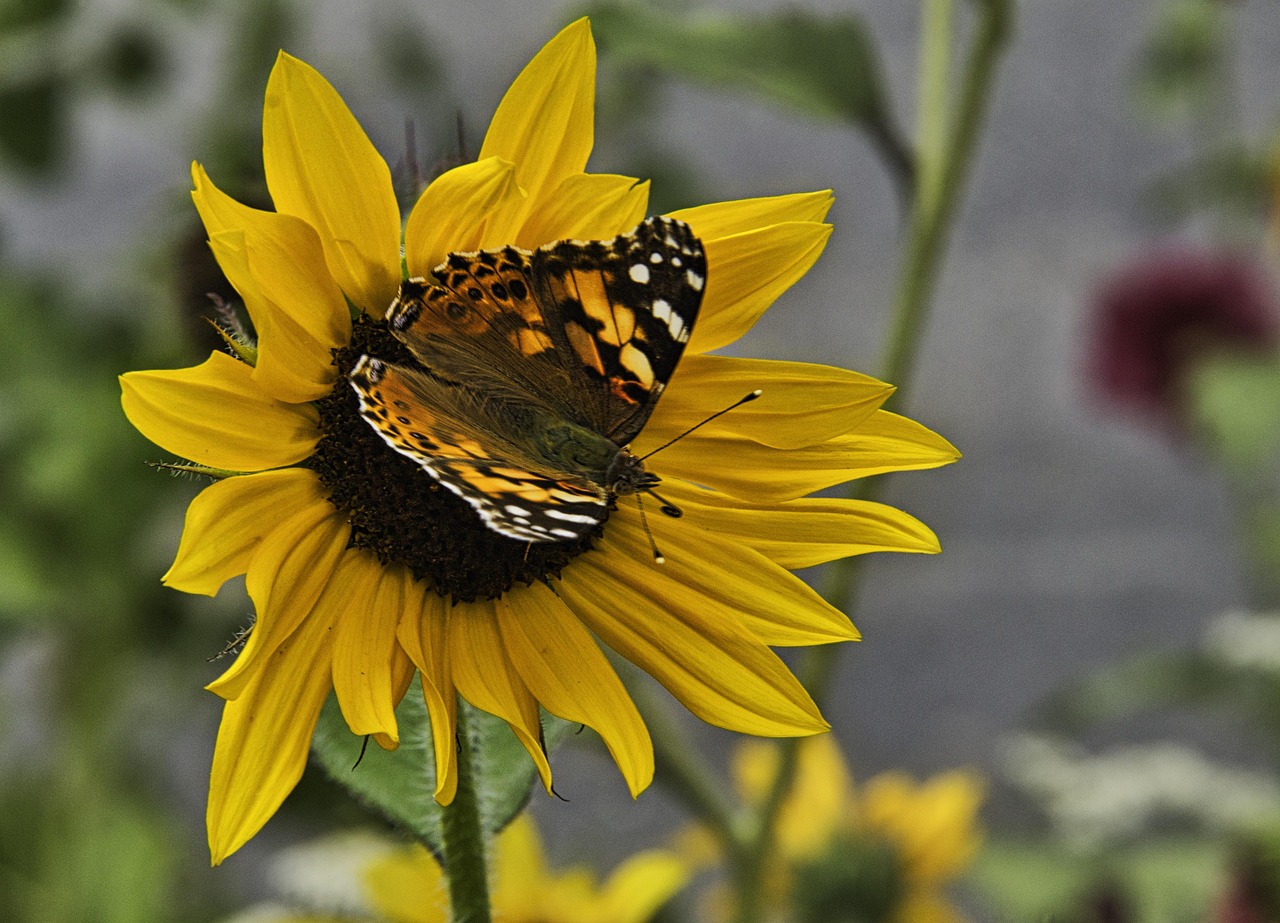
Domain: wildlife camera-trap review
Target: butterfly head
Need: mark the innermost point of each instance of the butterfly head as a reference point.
(627, 475)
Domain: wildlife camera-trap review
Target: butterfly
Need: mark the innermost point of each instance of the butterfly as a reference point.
(536, 370)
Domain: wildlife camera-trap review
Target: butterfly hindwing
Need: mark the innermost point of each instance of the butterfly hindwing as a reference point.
(460, 443)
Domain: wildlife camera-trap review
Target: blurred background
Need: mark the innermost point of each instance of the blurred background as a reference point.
(1096, 639)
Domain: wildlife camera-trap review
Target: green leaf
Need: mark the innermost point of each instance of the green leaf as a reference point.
(1233, 181)
(1163, 683)
(400, 783)
(1171, 880)
(17, 14)
(132, 60)
(1235, 399)
(34, 124)
(826, 67)
(1183, 58)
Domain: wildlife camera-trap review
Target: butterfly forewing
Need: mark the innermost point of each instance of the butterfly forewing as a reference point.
(623, 311)
(517, 348)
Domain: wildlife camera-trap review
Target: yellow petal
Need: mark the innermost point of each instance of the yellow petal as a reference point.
(226, 521)
(744, 468)
(564, 669)
(932, 823)
(724, 580)
(407, 886)
(452, 213)
(277, 265)
(322, 167)
(215, 414)
(587, 206)
(802, 404)
(423, 633)
(368, 601)
(287, 573)
(486, 677)
(805, 532)
(264, 739)
(639, 887)
(544, 123)
(289, 363)
(745, 275)
(713, 665)
(725, 219)
(521, 876)
(820, 799)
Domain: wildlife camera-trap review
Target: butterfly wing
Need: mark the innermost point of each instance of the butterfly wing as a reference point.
(623, 311)
(594, 328)
(514, 343)
(461, 440)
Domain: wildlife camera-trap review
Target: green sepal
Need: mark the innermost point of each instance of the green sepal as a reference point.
(240, 347)
(191, 468)
(400, 784)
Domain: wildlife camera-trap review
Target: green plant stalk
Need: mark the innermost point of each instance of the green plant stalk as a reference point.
(934, 208)
(680, 768)
(463, 839)
(931, 113)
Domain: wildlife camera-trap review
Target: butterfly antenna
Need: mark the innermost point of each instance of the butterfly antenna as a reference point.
(644, 521)
(719, 413)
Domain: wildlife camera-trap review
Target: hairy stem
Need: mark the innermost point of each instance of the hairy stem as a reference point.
(463, 839)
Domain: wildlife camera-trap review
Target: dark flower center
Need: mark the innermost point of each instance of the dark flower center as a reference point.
(400, 512)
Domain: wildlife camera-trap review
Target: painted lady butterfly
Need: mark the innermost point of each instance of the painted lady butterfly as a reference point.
(537, 371)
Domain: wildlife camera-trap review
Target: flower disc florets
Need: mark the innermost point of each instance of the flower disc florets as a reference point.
(402, 514)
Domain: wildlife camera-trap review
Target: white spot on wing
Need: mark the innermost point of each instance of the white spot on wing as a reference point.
(569, 517)
(695, 280)
(675, 323)
(656, 258)
(639, 273)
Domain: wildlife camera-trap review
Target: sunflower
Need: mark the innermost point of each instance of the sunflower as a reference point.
(525, 889)
(883, 850)
(362, 570)
(355, 876)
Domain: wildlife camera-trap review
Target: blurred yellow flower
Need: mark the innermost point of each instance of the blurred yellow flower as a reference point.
(524, 889)
(361, 878)
(882, 851)
(362, 570)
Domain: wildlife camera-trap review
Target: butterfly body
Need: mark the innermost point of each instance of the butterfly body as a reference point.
(535, 370)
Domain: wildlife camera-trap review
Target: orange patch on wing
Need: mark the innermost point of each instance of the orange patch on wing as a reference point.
(530, 342)
(637, 363)
(618, 323)
(584, 345)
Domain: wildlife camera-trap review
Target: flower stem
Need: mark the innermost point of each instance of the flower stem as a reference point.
(944, 156)
(463, 839)
(680, 768)
(931, 110)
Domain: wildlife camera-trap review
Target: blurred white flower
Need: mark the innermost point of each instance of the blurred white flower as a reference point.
(1093, 800)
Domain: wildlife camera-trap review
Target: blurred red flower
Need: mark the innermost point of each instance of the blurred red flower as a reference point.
(1155, 317)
